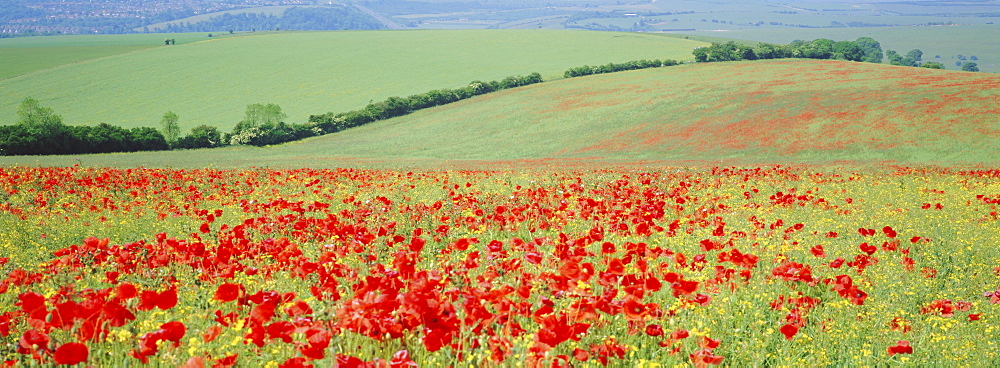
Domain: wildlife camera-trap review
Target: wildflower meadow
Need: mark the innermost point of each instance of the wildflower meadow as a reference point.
(584, 268)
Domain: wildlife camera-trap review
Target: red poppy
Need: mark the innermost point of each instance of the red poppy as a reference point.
(298, 362)
(654, 330)
(789, 330)
(71, 353)
(211, 333)
(126, 291)
(228, 292)
(401, 359)
(818, 251)
(173, 331)
(704, 357)
(463, 244)
(975, 317)
(167, 299)
(901, 347)
(581, 355)
(868, 249)
(889, 232)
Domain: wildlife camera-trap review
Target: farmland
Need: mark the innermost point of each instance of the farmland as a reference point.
(310, 72)
(738, 113)
(766, 213)
(29, 54)
(760, 266)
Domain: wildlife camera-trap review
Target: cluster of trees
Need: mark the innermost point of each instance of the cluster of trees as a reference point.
(615, 67)
(863, 49)
(39, 131)
(312, 18)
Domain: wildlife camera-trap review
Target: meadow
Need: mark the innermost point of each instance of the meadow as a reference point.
(310, 72)
(734, 113)
(28, 54)
(766, 213)
(643, 267)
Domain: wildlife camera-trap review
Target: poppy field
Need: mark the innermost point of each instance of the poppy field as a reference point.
(583, 267)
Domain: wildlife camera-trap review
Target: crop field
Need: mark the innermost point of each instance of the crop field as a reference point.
(739, 113)
(759, 266)
(28, 54)
(941, 43)
(310, 72)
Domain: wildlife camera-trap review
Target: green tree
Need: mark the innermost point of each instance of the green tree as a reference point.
(848, 50)
(970, 67)
(171, 131)
(932, 65)
(260, 115)
(33, 116)
(202, 136)
(915, 54)
(871, 48)
(893, 57)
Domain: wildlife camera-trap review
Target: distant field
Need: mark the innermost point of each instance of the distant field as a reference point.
(311, 72)
(27, 54)
(781, 111)
(266, 10)
(944, 41)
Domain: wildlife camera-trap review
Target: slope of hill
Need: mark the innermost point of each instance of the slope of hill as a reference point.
(310, 72)
(23, 55)
(778, 111)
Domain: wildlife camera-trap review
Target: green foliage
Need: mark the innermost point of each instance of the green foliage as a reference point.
(102, 138)
(932, 65)
(396, 106)
(729, 51)
(202, 136)
(614, 67)
(872, 50)
(260, 114)
(915, 54)
(168, 124)
(848, 50)
(970, 67)
(33, 116)
(863, 49)
(896, 59)
(342, 71)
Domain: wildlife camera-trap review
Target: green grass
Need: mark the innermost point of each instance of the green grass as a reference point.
(311, 72)
(944, 41)
(763, 112)
(23, 55)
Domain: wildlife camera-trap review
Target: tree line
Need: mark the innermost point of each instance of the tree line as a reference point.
(618, 67)
(863, 49)
(39, 131)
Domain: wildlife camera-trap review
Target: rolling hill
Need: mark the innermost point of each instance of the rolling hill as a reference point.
(306, 73)
(761, 112)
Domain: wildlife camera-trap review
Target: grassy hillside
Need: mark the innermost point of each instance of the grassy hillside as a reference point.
(23, 55)
(310, 72)
(778, 111)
